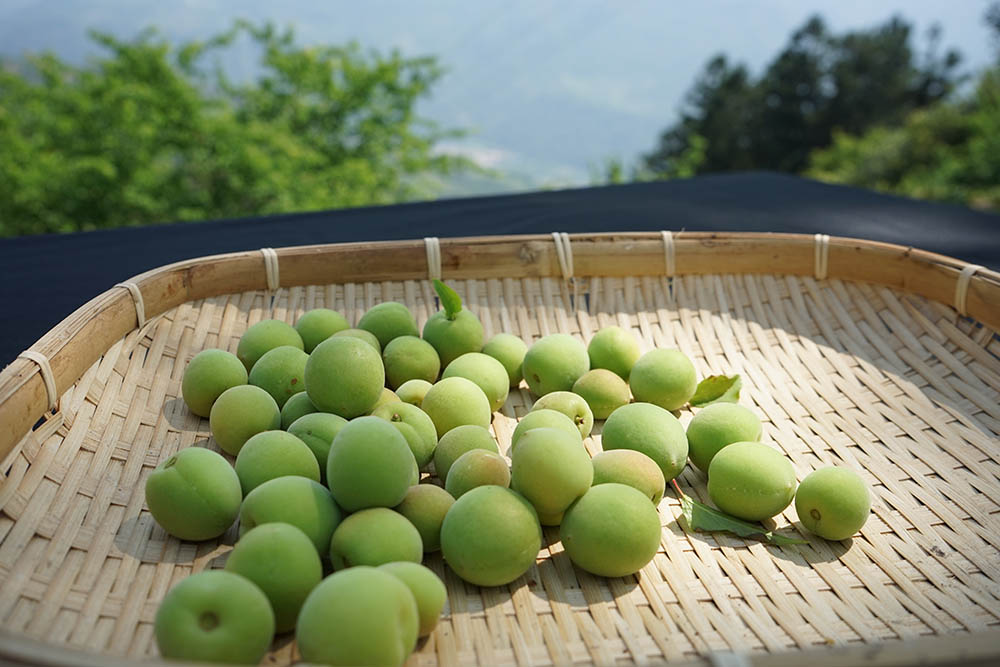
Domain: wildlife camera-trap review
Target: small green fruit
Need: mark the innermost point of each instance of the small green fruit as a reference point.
(425, 506)
(282, 561)
(296, 406)
(572, 405)
(453, 338)
(509, 350)
(375, 536)
(458, 441)
(651, 430)
(366, 336)
(663, 377)
(554, 363)
(614, 349)
(214, 616)
(194, 495)
(413, 391)
(410, 358)
(385, 398)
(294, 500)
(604, 391)
(207, 375)
(344, 376)
(833, 502)
(476, 468)
(315, 326)
(263, 336)
(416, 427)
(751, 481)
(632, 468)
(456, 401)
(242, 412)
(612, 531)
(551, 470)
(317, 430)
(491, 536)
(543, 418)
(389, 320)
(274, 454)
(359, 616)
(369, 465)
(280, 372)
(427, 589)
(486, 372)
(717, 425)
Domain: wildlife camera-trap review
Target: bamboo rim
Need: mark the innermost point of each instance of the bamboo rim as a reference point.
(76, 342)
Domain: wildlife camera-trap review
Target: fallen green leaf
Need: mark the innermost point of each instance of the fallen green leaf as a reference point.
(450, 300)
(717, 389)
(702, 518)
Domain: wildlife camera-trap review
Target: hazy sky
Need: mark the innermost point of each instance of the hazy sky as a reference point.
(549, 89)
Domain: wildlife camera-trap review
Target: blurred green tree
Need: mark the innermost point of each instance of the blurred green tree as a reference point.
(949, 152)
(819, 84)
(151, 133)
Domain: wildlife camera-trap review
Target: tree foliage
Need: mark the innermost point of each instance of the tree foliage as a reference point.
(820, 83)
(152, 132)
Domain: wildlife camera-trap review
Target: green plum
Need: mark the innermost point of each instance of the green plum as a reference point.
(572, 405)
(385, 398)
(717, 425)
(263, 336)
(296, 406)
(427, 589)
(663, 377)
(207, 375)
(344, 376)
(316, 325)
(280, 372)
(375, 536)
(194, 495)
(649, 429)
(273, 454)
(614, 349)
(833, 502)
(458, 441)
(360, 334)
(410, 358)
(604, 391)
(509, 350)
(540, 418)
(413, 391)
(416, 427)
(282, 561)
(477, 467)
(317, 430)
(369, 465)
(612, 531)
(632, 468)
(551, 470)
(389, 320)
(491, 536)
(554, 363)
(751, 481)
(214, 616)
(358, 616)
(295, 500)
(426, 505)
(486, 372)
(456, 401)
(242, 412)
(454, 337)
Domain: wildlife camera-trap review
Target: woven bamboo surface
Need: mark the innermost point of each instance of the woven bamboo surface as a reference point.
(896, 386)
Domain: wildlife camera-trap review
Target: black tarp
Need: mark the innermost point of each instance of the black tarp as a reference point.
(47, 277)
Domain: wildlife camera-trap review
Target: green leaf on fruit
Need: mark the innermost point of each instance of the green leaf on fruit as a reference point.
(705, 519)
(717, 389)
(450, 300)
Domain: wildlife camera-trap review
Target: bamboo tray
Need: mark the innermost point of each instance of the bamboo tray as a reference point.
(874, 356)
